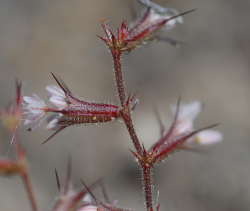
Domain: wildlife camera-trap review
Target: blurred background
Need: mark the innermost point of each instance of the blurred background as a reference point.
(37, 37)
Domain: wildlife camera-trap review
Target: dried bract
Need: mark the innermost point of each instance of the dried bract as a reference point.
(12, 114)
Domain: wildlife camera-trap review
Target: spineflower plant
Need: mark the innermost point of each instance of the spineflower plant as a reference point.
(70, 110)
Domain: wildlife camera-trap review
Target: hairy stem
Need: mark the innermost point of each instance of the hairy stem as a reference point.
(28, 187)
(133, 136)
(24, 174)
(122, 96)
(119, 77)
(147, 187)
(130, 127)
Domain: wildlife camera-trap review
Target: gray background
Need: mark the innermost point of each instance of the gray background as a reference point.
(37, 37)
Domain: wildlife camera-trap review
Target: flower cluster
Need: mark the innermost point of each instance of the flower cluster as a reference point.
(70, 110)
(80, 200)
(187, 115)
(179, 135)
(68, 198)
(144, 29)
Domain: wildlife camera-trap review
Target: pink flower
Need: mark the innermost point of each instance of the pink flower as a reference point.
(57, 97)
(87, 204)
(59, 102)
(187, 115)
(88, 208)
(179, 134)
(54, 123)
(70, 110)
(207, 137)
(54, 91)
(37, 110)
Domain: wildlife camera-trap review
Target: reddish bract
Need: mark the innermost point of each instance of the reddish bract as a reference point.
(71, 111)
(143, 30)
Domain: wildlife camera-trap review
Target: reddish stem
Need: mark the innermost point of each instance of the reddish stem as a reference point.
(122, 96)
(119, 77)
(28, 186)
(133, 136)
(147, 187)
(130, 127)
(24, 174)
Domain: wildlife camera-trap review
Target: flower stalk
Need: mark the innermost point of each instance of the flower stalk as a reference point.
(145, 29)
(147, 187)
(11, 116)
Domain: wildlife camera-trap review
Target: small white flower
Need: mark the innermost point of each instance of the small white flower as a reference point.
(87, 198)
(54, 91)
(88, 208)
(37, 110)
(183, 127)
(87, 204)
(57, 96)
(186, 116)
(207, 137)
(59, 102)
(188, 112)
(53, 124)
(170, 12)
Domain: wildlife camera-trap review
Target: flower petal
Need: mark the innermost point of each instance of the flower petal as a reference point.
(87, 198)
(42, 118)
(31, 100)
(88, 208)
(207, 137)
(36, 108)
(35, 105)
(59, 102)
(175, 12)
(188, 112)
(55, 91)
(183, 127)
(33, 117)
(54, 124)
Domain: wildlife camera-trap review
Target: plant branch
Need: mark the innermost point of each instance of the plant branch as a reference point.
(131, 129)
(119, 77)
(29, 190)
(24, 174)
(146, 173)
(122, 96)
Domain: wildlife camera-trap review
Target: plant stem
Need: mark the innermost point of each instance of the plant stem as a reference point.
(130, 127)
(24, 174)
(122, 96)
(119, 77)
(147, 187)
(133, 136)
(28, 187)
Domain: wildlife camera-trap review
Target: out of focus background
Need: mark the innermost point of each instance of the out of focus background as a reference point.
(37, 37)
